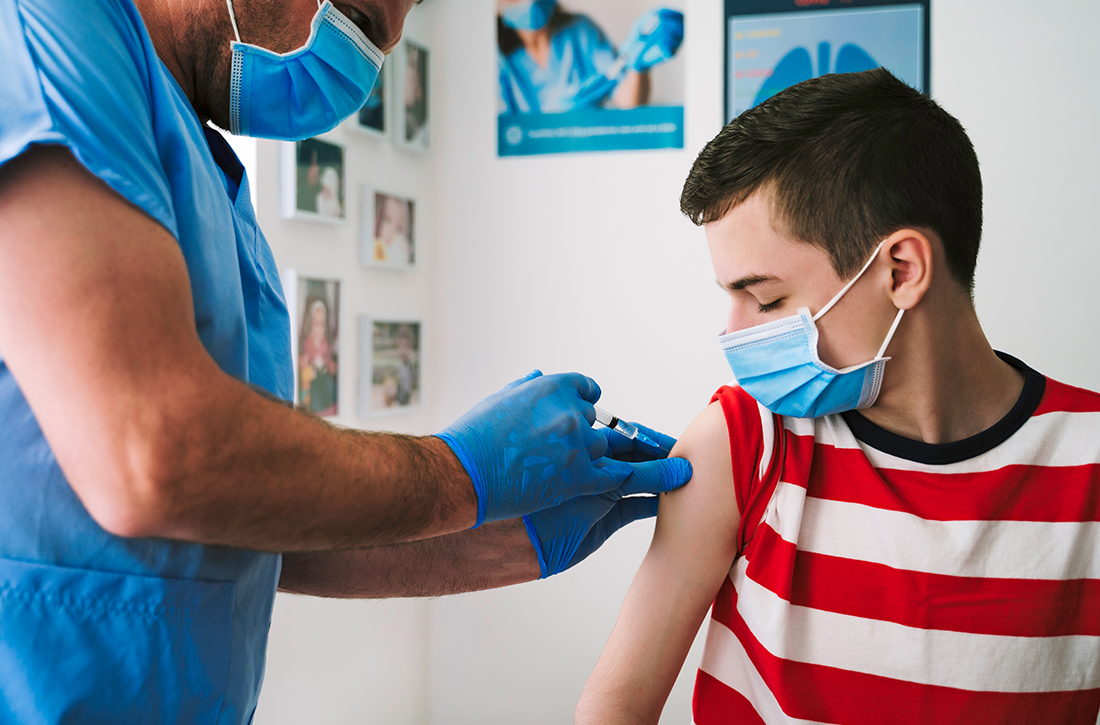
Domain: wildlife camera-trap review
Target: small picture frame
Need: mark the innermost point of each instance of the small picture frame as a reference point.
(390, 354)
(375, 118)
(414, 111)
(387, 235)
(314, 306)
(314, 181)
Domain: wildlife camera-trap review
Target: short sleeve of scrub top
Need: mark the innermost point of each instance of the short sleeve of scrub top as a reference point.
(579, 50)
(94, 627)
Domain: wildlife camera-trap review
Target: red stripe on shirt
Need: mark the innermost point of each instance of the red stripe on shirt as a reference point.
(798, 461)
(743, 425)
(771, 560)
(747, 438)
(828, 694)
(1012, 493)
(716, 704)
(1059, 397)
(1009, 607)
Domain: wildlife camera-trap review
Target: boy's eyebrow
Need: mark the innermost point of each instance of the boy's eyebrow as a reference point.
(748, 281)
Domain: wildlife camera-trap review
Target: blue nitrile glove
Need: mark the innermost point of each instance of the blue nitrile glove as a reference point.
(655, 38)
(594, 91)
(531, 446)
(565, 534)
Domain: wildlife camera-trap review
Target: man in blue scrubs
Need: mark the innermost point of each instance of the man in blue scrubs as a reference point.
(154, 491)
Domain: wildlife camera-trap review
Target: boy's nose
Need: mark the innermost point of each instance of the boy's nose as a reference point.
(738, 319)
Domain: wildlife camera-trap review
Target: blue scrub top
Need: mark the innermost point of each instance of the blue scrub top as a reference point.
(94, 627)
(578, 51)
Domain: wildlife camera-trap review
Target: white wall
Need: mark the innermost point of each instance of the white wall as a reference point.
(582, 262)
(1022, 79)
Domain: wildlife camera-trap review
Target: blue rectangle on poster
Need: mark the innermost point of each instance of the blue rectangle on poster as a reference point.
(649, 127)
(774, 44)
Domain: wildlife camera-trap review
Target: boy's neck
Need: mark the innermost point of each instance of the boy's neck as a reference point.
(943, 382)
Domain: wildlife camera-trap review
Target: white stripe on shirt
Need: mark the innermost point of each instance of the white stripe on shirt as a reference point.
(931, 657)
(1053, 439)
(999, 549)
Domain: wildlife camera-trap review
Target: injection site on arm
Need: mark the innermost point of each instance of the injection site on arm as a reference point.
(693, 548)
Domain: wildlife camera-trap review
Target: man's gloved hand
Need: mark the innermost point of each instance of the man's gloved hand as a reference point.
(654, 39)
(565, 534)
(531, 446)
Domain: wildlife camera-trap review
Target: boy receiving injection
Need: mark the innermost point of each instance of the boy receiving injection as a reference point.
(911, 541)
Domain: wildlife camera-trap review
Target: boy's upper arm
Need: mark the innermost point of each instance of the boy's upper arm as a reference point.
(693, 548)
(697, 524)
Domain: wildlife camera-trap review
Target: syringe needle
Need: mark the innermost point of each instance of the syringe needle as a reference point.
(623, 428)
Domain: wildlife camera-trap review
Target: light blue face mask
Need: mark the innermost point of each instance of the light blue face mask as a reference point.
(308, 91)
(777, 364)
(531, 15)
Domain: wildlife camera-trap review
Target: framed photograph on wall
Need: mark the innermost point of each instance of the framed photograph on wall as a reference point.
(414, 111)
(389, 365)
(313, 181)
(314, 306)
(374, 118)
(387, 237)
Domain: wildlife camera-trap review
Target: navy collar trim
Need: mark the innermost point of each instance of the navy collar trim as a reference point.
(943, 453)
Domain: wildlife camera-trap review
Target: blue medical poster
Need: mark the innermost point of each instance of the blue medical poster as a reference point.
(588, 75)
(774, 44)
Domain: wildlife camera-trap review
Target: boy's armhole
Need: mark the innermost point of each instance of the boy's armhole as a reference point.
(756, 436)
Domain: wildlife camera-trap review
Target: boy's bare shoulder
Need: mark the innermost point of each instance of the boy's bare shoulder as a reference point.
(697, 524)
(706, 444)
(707, 432)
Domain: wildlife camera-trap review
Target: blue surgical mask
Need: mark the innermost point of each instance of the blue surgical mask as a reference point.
(530, 15)
(778, 365)
(305, 92)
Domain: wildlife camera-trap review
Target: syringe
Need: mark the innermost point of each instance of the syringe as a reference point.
(627, 429)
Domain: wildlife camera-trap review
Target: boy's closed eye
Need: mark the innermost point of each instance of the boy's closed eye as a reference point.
(766, 307)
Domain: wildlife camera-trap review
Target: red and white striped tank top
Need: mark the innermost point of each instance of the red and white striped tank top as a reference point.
(882, 580)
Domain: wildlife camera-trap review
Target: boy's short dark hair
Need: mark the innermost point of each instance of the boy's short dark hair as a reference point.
(851, 158)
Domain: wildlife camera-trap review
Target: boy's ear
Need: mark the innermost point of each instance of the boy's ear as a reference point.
(911, 254)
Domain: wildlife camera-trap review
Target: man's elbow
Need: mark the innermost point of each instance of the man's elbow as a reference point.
(146, 493)
(126, 517)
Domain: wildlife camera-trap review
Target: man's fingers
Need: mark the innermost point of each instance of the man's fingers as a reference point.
(585, 386)
(529, 376)
(610, 475)
(656, 476)
(596, 442)
(632, 509)
(622, 513)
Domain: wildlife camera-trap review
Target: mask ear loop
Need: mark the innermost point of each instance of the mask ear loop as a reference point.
(851, 282)
(890, 334)
(233, 19)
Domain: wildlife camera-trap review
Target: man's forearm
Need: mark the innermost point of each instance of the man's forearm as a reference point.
(493, 555)
(265, 477)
